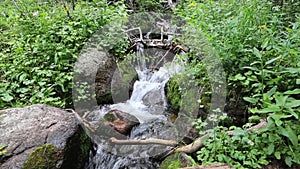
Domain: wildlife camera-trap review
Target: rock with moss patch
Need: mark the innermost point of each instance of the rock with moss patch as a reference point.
(40, 128)
(121, 121)
(114, 81)
(44, 157)
(174, 161)
(173, 95)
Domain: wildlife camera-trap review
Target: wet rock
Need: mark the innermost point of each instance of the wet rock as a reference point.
(123, 82)
(40, 128)
(122, 122)
(113, 82)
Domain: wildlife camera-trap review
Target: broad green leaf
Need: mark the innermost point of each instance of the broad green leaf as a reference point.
(292, 112)
(288, 161)
(272, 60)
(277, 118)
(251, 100)
(239, 77)
(270, 92)
(289, 133)
(295, 91)
(277, 155)
(6, 97)
(280, 100)
(291, 70)
(298, 81)
(257, 53)
(254, 118)
(270, 109)
(270, 149)
(293, 103)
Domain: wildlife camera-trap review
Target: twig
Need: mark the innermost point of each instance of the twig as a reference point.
(162, 57)
(147, 141)
(81, 120)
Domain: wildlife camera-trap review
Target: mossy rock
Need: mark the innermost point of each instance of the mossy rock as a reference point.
(44, 157)
(174, 161)
(173, 94)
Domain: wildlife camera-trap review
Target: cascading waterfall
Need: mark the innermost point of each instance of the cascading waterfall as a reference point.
(148, 104)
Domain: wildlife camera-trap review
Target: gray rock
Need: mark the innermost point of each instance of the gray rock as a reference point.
(106, 69)
(25, 129)
(122, 122)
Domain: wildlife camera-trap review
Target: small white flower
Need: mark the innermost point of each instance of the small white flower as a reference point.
(35, 13)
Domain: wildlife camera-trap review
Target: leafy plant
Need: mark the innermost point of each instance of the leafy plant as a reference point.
(40, 41)
(242, 150)
(258, 43)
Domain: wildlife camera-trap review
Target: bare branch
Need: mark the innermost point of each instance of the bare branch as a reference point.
(147, 141)
(81, 120)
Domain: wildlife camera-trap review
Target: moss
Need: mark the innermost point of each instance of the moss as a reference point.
(171, 162)
(109, 117)
(43, 157)
(173, 95)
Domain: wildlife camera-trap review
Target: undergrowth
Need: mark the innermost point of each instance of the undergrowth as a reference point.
(258, 43)
(39, 43)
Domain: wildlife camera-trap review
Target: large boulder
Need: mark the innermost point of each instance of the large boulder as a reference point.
(105, 71)
(42, 136)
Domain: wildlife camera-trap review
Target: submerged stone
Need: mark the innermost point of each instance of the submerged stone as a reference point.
(121, 121)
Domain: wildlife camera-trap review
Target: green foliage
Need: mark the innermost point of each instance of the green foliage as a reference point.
(242, 150)
(282, 132)
(258, 43)
(147, 5)
(171, 162)
(40, 41)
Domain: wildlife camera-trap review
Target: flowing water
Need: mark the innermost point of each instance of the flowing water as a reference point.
(148, 104)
